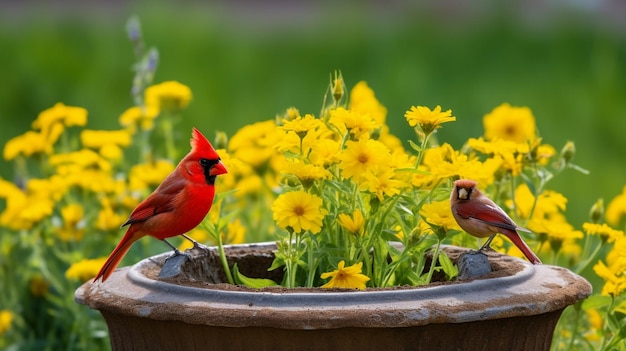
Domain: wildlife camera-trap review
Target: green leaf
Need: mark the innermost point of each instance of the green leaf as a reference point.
(448, 267)
(596, 301)
(414, 146)
(278, 262)
(255, 283)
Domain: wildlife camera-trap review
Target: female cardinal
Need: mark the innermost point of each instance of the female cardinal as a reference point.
(481, 217)
(178, 205)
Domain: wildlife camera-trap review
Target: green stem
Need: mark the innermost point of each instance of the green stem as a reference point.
(433, 263)
(312, 263)
(420, 155)
(590, 258)
(220, 247)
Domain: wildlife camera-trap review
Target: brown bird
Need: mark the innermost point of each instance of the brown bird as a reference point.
(481, 217)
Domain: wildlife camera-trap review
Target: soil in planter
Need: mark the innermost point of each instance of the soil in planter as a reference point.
(205, 270)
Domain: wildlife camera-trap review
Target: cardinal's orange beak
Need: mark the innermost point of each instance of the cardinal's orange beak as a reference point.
(218, 169)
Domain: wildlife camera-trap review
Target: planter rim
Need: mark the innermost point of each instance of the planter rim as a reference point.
(535, 289)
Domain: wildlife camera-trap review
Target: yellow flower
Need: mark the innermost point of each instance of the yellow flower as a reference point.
(77, 161)
(299, 211)
(381, 183)
(108, 219)
(428, 119)
(363, 100)
(84, 270)
(614, 282)
(254, 143)
(324, 152)
(506, 122)
(73, 224)
(302, 126)
(353, 224)
(143, 176)
(358, 125)
(346, 278)
(67, 115)
(139, 116)
(25, 208)
(605, 232)
(306, 173)
(6, 318)
(438, 214)
(170, 95)
(548, 203)
(95, 139)
(26, 144)
(362, 156)
(616, 210)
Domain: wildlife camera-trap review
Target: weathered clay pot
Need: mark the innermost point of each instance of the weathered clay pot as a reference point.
(515, 307)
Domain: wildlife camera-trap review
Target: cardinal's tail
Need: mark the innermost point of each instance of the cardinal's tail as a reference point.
(118, 253)
(517, 240)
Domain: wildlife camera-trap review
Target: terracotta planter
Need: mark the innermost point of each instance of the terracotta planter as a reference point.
(515, 307)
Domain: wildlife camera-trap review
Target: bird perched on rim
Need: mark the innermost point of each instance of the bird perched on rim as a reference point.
(177, 205)
(481, 217)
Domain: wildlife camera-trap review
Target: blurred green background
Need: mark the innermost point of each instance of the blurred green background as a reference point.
(247, 61)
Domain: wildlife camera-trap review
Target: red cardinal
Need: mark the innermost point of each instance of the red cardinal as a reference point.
(481, 217)
(178, 205)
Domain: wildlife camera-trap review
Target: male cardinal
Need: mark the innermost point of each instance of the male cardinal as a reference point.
(481, 217)
(178, 205)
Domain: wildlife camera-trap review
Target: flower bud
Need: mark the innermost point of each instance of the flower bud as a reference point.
(597, 211)
(337, 87)
(221, 140)
(568, 152)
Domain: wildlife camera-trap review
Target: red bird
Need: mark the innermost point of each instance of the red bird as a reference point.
(178, 205)
(481, 217)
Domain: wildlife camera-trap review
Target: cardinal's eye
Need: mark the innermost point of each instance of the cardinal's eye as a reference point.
(204, 162)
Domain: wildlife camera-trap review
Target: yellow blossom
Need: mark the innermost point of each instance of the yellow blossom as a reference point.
(325, 152)
(145, 175)
(605, 232)
(616, 209)
(381, 183)
(139, 116)
(67, 115)
(299, 211)
(358, 125)
(346, 277)
(306, 173)
(73, 225)
(507, 122)
(363, 100)
(254, 143)
(26, 144)
(6, 319)
(301, 124)
(438, 214)
(614, 282)
(353, 224)
(170, 95)
(108, 219)
(362, 156)
(427, 119)
(95, 139)
(84, 270)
